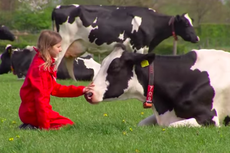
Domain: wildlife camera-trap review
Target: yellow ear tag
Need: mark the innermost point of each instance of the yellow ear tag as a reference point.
(144, 63)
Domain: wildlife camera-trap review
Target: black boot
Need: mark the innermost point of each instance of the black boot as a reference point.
(25, 126)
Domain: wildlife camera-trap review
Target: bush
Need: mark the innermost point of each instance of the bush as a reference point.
(214, 35)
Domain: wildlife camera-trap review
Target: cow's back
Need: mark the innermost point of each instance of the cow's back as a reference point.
(217, 64)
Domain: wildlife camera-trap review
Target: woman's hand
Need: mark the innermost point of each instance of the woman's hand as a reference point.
(88, 88)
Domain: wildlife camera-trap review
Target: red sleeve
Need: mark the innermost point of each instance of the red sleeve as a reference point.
(42, 97)
(66, 91)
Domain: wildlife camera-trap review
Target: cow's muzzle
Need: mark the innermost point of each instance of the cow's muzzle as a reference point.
(88, 97)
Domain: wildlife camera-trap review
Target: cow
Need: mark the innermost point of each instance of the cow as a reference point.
(188, 90)
(96, 28)
(19, 61)
(85, 69)
(5, 65)
(5, 33)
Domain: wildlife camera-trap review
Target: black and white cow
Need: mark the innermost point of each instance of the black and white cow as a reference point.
(5, 33)
(191, 89)
(96, 28)
(85, 68)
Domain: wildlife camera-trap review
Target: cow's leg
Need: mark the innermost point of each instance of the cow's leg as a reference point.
(187, 122)
(75, 50)
(70, 67)
(151, 120)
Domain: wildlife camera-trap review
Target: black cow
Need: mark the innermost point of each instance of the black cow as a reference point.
(191, 89)
(96, 28)
(5, 33)
(19, 61)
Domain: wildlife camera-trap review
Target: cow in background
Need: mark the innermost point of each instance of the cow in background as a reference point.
(5, 34)
(19, 60)
(191, 89)
(96, 28)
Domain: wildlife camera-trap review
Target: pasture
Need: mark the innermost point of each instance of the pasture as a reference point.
(103, 128)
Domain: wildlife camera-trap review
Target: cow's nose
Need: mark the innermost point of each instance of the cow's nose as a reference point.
(89, 94)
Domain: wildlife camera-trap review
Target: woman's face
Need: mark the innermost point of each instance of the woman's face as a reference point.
(54, 51)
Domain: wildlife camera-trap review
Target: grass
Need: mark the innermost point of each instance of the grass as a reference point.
(104, 128)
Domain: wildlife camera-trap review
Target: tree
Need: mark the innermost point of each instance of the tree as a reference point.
(201, 8)
(33, 5)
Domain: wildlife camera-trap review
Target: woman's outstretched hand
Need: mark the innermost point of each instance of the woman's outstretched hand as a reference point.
(88, 88)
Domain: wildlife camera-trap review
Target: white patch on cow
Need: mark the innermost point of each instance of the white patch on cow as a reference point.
(16, 50)
(95, 21)
(58, 6)
(143, 50)
(121, 36)
(31, 48)
(167, 118)
(188, 18)
(76, 5)
(3, 25)
(216, 63)
(8, 45)
(187, 122)
(152, 9)
(136, 23)
(22, 78)
(90, 64)
(117, 8)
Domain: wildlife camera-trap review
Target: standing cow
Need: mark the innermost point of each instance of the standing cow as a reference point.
(5, 34)
(96, 28)
(191, 89)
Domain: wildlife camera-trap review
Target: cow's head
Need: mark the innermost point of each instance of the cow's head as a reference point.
(5, 33)
(5, 65)
(184, 27)
(117, 78)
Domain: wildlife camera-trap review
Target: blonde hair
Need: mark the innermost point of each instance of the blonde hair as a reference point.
(46, 40)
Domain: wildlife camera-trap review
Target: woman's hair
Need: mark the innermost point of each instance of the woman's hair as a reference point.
(46, 40)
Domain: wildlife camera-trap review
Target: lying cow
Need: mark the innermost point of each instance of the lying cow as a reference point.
(191, 89)
(20, 61)
(96, 28)
(5, 34)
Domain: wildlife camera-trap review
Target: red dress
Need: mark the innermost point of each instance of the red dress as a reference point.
(35, 108)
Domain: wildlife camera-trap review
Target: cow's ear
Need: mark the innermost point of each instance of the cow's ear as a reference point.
(136, 58)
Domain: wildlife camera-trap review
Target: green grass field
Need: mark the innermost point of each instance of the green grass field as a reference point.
(109, 127)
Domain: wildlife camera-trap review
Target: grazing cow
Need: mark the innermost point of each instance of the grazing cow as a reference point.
(5, 33)
(191, 89)
(85, 68)
(96, 28)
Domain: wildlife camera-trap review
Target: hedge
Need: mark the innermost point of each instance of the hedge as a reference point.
(214, 35)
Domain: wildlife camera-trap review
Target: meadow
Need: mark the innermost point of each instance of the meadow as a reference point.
(109, 127)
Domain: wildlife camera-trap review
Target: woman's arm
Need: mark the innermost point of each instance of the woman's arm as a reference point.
(67, 91)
